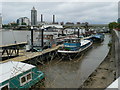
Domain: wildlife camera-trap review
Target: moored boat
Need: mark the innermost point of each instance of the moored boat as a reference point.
(99, 37)
(73, 47)
(18, 75)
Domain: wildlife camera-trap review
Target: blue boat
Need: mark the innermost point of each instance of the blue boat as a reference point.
(99, 37)
(72, 47)
(19, 75)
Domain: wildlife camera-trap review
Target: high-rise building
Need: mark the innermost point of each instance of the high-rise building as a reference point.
(33, 16)
(23, 21)
(53, 19)
(41, 18)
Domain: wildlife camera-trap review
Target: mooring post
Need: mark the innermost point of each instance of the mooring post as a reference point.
(42, 37)
(62, 32)
(74, 30)
(32, 38)
(78, 32)
(86, 26)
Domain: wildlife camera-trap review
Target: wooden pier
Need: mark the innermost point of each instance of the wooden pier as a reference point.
(11, 45)
(31, 55)
(11, 49)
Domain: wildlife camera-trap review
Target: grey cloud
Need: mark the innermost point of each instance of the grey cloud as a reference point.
(93, 12)
(0, 7)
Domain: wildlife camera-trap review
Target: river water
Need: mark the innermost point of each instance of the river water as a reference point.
(71, 74)
(10, 36)
(64, 73)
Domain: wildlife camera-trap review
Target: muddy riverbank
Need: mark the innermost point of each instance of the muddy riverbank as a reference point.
(71, 74)
(105, 74)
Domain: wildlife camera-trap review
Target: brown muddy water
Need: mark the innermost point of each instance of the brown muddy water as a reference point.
(64, 73)
(71, 74)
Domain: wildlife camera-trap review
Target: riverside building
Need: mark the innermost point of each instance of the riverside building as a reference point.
(23, 21)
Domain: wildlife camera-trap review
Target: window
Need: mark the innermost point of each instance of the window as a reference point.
(5, 87)
(25, 78)
(74, 41)
(29, 77)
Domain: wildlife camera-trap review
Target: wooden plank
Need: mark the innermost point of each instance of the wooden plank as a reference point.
(13, 44)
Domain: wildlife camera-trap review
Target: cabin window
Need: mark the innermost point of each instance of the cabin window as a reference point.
(29, 77)
(69, 41)
(25, 78)
(78, 40)
(5, 87)
(66, 41)
(74, 41)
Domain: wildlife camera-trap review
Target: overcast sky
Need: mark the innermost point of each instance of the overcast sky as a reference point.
(92, 12)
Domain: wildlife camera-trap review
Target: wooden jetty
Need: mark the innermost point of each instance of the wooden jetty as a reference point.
(11, 49)
(11, 45)
(31, 55)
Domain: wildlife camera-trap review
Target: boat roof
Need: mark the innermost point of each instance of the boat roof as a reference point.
(97, 36)
(11, 68)
(83, 42)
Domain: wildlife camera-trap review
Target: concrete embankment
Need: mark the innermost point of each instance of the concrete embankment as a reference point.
(117, 52)
(105, 74)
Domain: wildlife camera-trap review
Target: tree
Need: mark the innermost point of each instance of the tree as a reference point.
(24, 23)
(113, 25)
(14, 24)
(118, 25)
(5, 26)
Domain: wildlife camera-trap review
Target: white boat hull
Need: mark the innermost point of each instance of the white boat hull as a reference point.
(73, 54)
(80, 50)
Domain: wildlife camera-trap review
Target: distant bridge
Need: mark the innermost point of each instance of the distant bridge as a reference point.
(83, 25)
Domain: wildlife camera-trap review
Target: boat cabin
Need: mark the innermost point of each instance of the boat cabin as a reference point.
(72, 42)
(18, 75)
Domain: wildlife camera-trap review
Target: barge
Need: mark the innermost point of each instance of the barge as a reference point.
(73, 47)
(19, 75)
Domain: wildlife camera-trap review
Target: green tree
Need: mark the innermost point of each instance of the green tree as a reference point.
(24, 24)
(118, 26)
(14, 24)
(5, 26)
(113, 25)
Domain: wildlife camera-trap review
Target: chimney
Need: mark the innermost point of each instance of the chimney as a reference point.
(41, 18)
(53, 19)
